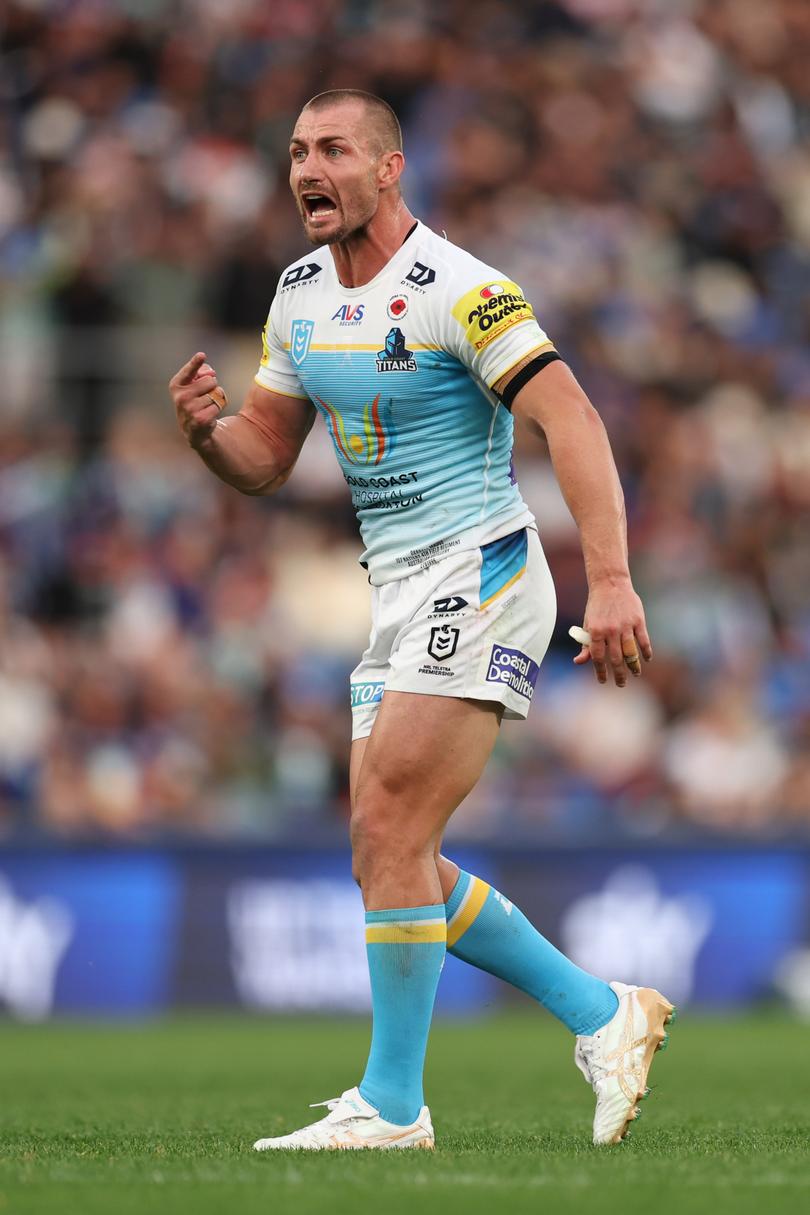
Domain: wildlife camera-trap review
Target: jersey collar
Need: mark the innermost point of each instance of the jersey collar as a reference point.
(401, 255)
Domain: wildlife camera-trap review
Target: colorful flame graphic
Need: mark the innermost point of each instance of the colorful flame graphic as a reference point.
(378, 437)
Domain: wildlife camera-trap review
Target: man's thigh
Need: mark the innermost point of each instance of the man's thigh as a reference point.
(422, 758)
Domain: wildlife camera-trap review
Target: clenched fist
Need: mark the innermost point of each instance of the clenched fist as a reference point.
(198, 399)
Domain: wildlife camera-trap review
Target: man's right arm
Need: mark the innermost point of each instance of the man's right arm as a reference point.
(254, 450)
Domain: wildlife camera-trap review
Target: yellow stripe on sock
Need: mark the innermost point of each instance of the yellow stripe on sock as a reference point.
(503, 588)
(407, 932)
(467, 912)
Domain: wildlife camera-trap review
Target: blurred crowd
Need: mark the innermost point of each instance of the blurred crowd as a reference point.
(174, 657)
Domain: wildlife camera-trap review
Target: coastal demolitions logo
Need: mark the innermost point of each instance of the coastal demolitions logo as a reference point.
(513, 668)
(372, 440)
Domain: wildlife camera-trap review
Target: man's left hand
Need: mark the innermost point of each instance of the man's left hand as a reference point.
(614, 617)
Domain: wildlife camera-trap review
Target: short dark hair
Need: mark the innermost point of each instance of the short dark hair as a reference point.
(384, 120)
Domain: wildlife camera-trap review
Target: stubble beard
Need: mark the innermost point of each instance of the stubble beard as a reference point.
(351, 226)
(345, 231)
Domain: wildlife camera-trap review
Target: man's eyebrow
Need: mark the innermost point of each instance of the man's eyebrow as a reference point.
(296, 139)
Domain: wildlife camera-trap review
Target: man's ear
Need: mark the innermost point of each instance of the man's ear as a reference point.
(390, 170)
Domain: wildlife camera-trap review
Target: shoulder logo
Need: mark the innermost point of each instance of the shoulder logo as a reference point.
(489, 310)
(395, 357)
(300, 274)
(421, 275)
(300, 340)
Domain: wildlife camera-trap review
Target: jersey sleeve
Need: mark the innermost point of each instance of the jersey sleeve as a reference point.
(276, 371)
(494, 327)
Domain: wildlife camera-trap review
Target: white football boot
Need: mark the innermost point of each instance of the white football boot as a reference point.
(351, 1124)
(616, 1059)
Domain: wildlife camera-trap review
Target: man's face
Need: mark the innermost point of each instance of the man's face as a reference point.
(333, 175)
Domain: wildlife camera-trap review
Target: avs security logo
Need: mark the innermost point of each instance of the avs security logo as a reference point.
(488, 311)
(300, 340)
(513, 668)
(395, 357)
(300, 274)
(443, 642)
(349, 314)
(373, 436)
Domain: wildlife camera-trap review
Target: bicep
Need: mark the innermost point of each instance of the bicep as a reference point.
(552, 394)
(282, 422)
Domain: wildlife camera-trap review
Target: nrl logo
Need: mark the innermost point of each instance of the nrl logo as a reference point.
(443, 642)
(300, 340)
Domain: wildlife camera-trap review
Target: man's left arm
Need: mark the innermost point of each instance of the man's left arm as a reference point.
(553, 405)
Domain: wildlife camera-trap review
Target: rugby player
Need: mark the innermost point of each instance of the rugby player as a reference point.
(417, 356)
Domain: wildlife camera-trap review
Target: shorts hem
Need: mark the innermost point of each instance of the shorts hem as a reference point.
(362, 729)
(514, 709)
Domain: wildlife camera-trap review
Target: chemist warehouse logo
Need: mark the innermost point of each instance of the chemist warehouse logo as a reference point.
(371, 442)
(488, 311)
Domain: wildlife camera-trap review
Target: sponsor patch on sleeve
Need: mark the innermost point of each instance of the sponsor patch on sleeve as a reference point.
(369, 693)
(514, 668)
(488, 311)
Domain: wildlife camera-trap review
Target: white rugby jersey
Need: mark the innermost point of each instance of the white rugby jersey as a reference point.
(401, 370)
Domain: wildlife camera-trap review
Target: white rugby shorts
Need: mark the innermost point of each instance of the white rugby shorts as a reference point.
(475, 625)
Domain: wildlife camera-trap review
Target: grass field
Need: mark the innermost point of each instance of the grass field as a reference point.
(105, 1120)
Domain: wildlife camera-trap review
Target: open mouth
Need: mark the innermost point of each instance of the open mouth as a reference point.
(318, 205)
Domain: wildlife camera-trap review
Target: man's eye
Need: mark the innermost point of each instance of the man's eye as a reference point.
(298, 154)
(335, 152)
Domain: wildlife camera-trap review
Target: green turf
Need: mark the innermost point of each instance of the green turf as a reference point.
(104, 1120)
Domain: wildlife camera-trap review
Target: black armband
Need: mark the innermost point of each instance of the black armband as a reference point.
(524, 375)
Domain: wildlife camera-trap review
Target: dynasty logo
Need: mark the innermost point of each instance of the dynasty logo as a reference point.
(395, 357)
(420, 275)
(300, 274)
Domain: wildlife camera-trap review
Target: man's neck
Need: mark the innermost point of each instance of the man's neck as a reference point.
(361, 258)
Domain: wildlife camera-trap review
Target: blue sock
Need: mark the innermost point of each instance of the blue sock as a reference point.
(405, 948)
(488, 931)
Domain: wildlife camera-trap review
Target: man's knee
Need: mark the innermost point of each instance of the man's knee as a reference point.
(382, 834)
(372, 837)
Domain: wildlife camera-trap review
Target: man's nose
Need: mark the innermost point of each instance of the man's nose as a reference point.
(308, 168)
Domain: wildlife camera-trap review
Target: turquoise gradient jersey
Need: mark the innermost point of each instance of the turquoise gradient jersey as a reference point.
(401, 371)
